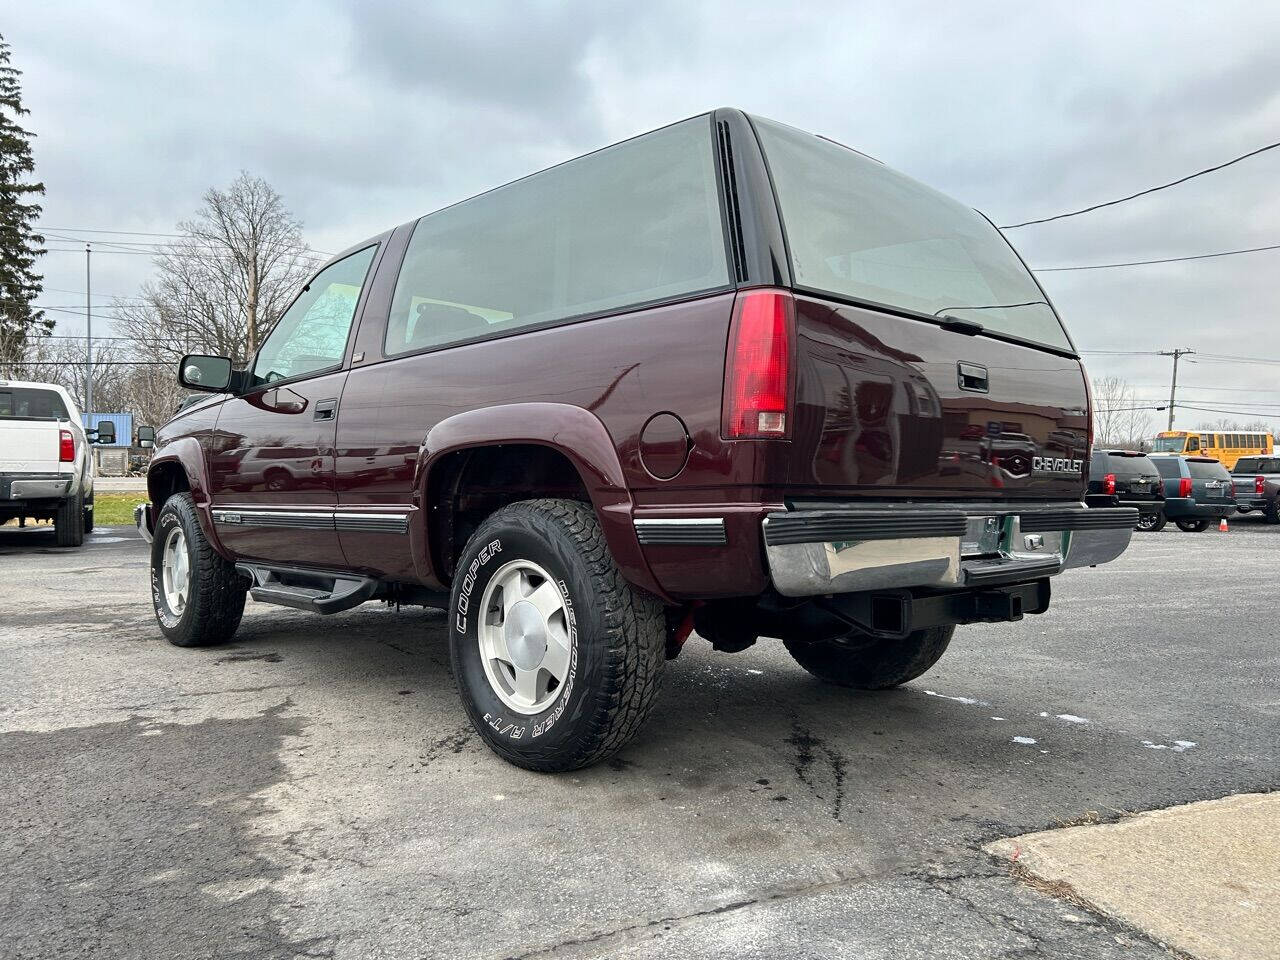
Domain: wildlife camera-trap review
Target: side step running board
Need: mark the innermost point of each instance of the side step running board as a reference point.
(315, 590)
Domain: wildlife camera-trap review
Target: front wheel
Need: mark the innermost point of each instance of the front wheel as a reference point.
(197, 595)
(1198, 525)
(1151, 522)
(556, 656)
(878, 663)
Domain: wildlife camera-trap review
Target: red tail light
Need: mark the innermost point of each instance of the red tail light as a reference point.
(66, 447)
(757, 374)
(1109, 483)
(1259, 485)
(1184, 487)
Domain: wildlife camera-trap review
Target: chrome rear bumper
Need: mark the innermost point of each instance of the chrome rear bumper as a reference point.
(41, 489)
(879, 548)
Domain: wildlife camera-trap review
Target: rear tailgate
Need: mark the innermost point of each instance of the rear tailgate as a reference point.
(30, 446)
(1246, 488)
(894, 406)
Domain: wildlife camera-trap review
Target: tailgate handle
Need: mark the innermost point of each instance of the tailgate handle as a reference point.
(973, 376)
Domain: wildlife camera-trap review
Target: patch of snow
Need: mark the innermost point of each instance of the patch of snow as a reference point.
(971, 701)
(1071, 718)
(1027, 741)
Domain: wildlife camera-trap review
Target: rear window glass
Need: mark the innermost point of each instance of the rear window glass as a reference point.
(1166, 466)
(1138, 466)
(857, 229)
(634, 223)
(31, 402)
(1257, 465)
(1207, 471)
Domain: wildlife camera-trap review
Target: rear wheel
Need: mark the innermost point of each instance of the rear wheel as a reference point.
(68, 522)
(557, 657)
(1272, 513)
(876, 664)
(1151, 522)
(197, 595)
(1198, 525)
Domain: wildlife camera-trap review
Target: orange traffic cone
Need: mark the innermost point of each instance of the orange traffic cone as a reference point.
(1222, 525)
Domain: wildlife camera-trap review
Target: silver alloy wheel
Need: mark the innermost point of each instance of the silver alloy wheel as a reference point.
(524, 636)
(175, 572)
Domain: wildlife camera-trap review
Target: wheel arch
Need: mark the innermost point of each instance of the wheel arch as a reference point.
(490, 456)
(181, 469)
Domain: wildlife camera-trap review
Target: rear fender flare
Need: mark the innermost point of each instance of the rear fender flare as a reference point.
(572, 431)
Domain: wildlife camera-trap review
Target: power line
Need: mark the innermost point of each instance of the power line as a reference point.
(1140, 263)
(133, 233)
(1143, 193)
(315, 259)
(137, 244)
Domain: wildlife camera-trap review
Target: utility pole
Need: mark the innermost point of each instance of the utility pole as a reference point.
(1173, 386)
(88, 334)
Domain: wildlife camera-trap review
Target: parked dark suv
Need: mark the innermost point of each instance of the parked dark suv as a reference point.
(1197, 491)
(1127, 478)
(724, 375)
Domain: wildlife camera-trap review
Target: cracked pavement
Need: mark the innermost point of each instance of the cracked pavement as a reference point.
(313, 789)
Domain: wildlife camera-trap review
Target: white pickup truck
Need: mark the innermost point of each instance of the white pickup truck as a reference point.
(46, 469)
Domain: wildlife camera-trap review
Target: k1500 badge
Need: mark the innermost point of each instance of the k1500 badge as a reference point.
(1056, 465)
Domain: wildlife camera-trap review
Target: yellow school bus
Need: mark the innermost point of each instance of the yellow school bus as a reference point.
(1226, 448)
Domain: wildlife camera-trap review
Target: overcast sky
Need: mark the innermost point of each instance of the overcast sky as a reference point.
(365, 114)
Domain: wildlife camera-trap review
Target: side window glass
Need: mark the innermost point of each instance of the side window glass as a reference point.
(312, 334)
(1193, 443)
(631, 224)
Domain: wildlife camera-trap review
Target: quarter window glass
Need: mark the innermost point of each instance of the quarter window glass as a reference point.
(633, 223)
(1166, 466)
(856, 228)
(312, 334)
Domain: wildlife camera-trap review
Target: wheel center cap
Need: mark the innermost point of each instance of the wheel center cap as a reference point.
(526, 634)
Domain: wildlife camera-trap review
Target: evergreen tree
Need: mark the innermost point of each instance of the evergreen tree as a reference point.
(20, 245)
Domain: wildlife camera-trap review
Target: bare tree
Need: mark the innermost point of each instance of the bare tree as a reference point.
(225, 282)
(1119, 418)
(50, 360)
(1226, 424)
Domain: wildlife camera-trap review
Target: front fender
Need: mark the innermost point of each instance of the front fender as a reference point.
(186, 454)
(574, 432)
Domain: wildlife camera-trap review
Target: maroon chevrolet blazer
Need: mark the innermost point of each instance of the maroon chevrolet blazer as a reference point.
(725, 376)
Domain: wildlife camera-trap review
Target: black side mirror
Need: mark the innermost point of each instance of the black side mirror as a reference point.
(197, 371)
(146, 436)
(104, 432)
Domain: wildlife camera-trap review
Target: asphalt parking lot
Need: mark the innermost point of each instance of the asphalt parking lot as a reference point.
(314, 789)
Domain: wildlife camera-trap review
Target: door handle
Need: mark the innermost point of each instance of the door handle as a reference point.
(325, 409)
(973, 377)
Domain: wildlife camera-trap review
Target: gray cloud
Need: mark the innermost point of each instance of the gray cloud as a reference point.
(364, 114)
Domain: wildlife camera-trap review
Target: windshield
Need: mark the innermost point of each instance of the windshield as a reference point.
(31, 403)
(857, 229)
(1169, 444)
